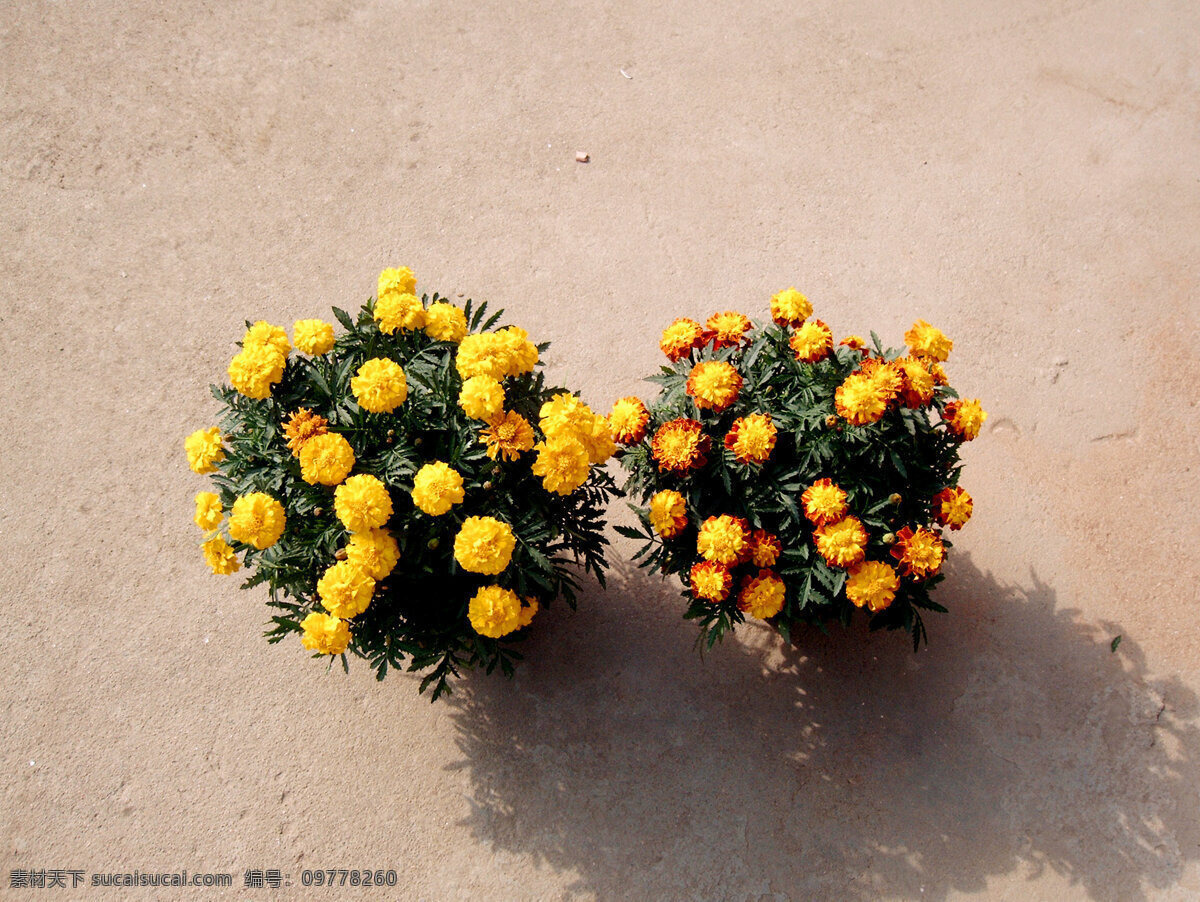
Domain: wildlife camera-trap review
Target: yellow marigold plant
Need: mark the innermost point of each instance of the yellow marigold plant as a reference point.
(788, 477)
(409, 488)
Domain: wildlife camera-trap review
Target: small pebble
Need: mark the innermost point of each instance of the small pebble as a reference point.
(581, 157)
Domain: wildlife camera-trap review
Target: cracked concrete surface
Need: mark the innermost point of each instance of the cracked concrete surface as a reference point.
(1021, 174)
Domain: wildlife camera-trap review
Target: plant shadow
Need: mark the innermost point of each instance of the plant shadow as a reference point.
(843, 767)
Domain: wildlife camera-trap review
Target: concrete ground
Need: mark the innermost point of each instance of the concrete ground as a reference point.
(1021, 173)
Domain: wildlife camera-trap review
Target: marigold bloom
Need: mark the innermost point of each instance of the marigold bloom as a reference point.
(484, 545)
(628, 419)
(765, 548)
(204, 450)
(522, 352)
(680, 446)
(373, 551)
(437, 487)
(842, 543)
(220, 556)
(566, 415)
(302, 426)
(714, 384)
(268, 337)
(508, 436)
(854, 342)
(859, 400)
(711, 581)
(872, 584)
(752, 438)
(668, 513)
(562, 462)
(724, 539)
(345, 590)
(790, 307)
(485, 354)
(598, 441)
(762, 596)
(728, 329)
(313, 336)
(885, 375)
(362, 502)
(917, 381)
(399, 311)
(495, 612)
(919, 553)
(680, 337)
(324, 634)
(952, 507)
(482, 398)
(255, 369)
(965, 418)
(824, 502)
(257, 519)
(445, 322)
(380, 385)
(926, 341)
(396, 281)
(209, 512)
(939, 374)
(812, 342)
(326, 459)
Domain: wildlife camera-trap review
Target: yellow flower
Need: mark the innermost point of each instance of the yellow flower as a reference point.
(485, 354)
(790, 308)
(524, 353)
(562, 462)
(373, 551)
(484, 545)
(762, 596)
(765, 548)
(313, 336)
(854, 342)
(597, 440)
(445, 322)
(508, 435)
(437, 487)
(204, 450)
(399, 311)
(496, 612)
(711, 581)
(824, 502)
(680, 337)
(220, 556)
(951, 507)
(812, 342)
(265, 336)
(324, 634)
(209, 512)
(965, 418)
(886, 376)
(380, 385)
(859, 400)
(565, 415)
(668, 513)
(724, 540)
(345, 590)
(842, 543)
(254, 369)
(326, 459)
(302, 426)
(926, 341)
(714, 384)
(873, 584)
(919, 553)
(362, 502)
(752, 438)
(917, 381)
(628, 420)
(393, 281)
(257, 519)
(727, 329)
(482, 397)
(680, 446)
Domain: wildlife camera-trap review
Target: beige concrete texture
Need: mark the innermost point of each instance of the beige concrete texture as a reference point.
(1021, 173)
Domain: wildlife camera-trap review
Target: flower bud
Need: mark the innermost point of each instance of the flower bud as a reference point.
(432, 544)
(831, 421)
(889, 538)
(894, 498)
(341, 554)
(317, 511)
(487, 485)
